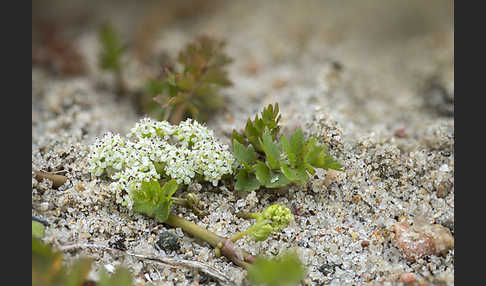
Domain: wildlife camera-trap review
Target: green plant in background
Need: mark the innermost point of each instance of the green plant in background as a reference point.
(193, 91)
(111, 54)
(273, 161)
(283, 270)
(47, 269)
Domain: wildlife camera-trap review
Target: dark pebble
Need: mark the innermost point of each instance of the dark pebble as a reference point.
(327, 268)
(168, 241)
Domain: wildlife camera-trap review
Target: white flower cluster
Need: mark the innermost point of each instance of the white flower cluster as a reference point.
(156, 149)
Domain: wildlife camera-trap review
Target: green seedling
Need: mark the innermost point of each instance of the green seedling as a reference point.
(283, 270)
(111, 55)
(48, 269)
(193, 92)
(155, 201)
(272, 160)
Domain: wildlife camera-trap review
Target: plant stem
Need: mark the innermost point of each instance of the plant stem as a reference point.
(228, 249)
(188, 204)
(247, 215)
(239, 235)
(57, 180)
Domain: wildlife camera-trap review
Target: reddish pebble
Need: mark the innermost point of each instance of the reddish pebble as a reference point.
(400, 133)
(365, 243)
(407, 277)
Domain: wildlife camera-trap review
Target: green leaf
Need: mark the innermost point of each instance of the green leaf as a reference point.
(37, 229)
(284, 270)
(271, 149)
(332, 163)
(245, 155)
(315, 154)
(246, 181)
(238, 137)
(298, 175)
(268, 178)
(153, 200)
(252, 135)
(294, 147)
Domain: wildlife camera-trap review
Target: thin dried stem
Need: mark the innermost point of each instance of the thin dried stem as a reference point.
(178, 263)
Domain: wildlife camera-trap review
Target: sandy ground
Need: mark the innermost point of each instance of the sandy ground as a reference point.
(374, 83)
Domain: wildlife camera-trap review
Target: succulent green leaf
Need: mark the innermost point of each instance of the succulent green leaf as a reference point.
(297, 142)
(271, 149)
(297, 175)
(284, 270)
(332, 163)
(315, 154)
(245, 155)
(237, 136)
(268, 178)
(153, 200)
(246, 181)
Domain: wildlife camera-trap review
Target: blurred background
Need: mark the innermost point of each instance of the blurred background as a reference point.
(387, 58)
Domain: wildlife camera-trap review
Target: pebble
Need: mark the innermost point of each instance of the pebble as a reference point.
(444, 188)
(422, 240)
(407, 277)
(44, 206)
(168, 241)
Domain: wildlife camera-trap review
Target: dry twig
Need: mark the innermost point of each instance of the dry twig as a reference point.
(178, 263)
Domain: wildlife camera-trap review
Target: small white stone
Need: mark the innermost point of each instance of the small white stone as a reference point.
(44, 206)
(110, 268)
(444, 168)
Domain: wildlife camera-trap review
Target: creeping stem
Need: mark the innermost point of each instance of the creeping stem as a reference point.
(223, 245)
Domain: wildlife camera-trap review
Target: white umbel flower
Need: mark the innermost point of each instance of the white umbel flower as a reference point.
(156, 149)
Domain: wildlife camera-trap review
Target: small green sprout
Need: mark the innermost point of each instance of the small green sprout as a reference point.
(273, 219)
(193, 91)
(111, 54)
(273, 161)
(283, 270)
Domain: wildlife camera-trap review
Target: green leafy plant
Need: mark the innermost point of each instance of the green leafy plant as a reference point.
(193, 91)
(48, 269)
(272, 160)
(111, 54)
(283, 270)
